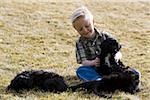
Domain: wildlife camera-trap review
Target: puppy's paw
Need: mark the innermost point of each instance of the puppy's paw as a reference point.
(118, 56)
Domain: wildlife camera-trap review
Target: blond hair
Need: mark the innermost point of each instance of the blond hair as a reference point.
(81, 11)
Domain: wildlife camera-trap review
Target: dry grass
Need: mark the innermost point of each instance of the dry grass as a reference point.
(37, 34)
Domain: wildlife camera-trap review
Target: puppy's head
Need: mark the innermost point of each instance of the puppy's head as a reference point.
(21, 81)
(110, 46)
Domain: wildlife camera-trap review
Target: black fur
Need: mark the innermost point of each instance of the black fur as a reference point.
(125, 81)
(109, 48)
(47, 81)
(116, 76)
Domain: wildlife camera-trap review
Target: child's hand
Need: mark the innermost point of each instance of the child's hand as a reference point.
(97, 62)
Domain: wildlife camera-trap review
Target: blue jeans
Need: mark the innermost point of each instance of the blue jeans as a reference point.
(88, 73)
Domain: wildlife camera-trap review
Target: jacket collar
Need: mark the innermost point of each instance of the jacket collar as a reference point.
(97, 34)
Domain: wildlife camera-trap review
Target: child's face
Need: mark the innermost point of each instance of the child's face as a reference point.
(84, 27)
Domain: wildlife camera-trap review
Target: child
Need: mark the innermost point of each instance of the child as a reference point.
(88, 44)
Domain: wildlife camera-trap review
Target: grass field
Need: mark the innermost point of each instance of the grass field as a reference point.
(37, 34)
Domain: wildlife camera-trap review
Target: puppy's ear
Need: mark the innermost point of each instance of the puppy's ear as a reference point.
(119, 45)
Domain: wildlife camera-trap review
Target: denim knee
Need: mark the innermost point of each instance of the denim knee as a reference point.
(88, 73)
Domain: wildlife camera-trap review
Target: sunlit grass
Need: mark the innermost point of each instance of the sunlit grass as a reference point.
(37, 34)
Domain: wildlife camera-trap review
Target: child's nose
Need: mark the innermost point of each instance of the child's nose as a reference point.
(85, 30)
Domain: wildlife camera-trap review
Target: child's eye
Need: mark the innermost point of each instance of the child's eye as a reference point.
(86, 26)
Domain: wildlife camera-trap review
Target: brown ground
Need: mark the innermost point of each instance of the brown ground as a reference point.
(37, 34)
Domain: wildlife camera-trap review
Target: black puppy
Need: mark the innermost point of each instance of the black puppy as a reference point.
(109, 48)
(115, 74)
(125, 81)
(47, 81)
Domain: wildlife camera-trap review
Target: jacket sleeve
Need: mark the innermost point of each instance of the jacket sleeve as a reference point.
(80, 53)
